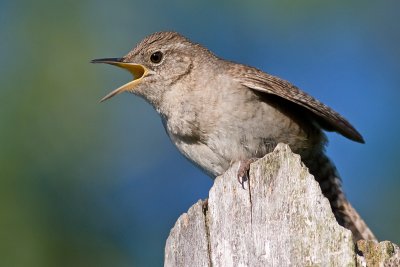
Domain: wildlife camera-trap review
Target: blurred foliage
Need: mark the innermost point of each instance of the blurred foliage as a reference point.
(84, 184)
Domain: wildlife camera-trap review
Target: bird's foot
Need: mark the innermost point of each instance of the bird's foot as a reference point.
(243, 171)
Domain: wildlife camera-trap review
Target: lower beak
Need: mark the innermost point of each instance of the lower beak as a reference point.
(138, 71)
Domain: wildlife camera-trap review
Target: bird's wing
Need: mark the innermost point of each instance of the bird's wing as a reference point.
(263, 82)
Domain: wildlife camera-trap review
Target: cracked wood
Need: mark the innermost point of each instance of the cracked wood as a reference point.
(281, 218)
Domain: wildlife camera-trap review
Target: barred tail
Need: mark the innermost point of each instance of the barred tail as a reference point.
(328, 178)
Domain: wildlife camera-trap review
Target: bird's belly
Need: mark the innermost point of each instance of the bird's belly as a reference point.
(212, 163)
(223, 147)
(236, 134)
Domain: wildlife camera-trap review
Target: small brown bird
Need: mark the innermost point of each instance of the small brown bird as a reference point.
(217, 112)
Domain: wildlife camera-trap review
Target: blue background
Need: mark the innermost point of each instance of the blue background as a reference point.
(89, 184)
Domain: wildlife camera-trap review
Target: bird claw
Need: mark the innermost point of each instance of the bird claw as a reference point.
(243, 171)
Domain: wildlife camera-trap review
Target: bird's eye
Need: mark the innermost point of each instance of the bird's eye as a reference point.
(156, 57)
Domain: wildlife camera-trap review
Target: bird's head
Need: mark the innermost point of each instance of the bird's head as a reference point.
(156, 63)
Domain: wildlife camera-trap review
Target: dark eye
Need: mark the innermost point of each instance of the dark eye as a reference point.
(156, 57)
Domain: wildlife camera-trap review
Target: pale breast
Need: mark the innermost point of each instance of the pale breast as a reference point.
(225, 123)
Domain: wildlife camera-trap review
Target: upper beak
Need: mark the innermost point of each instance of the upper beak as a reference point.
(138, 71)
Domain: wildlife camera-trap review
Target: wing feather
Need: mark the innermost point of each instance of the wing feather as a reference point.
(263, 82)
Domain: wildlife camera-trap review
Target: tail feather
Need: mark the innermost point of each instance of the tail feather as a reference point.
(327, 176)
(356, 224)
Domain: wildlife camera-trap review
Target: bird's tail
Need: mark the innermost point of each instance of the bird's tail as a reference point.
(329, 180)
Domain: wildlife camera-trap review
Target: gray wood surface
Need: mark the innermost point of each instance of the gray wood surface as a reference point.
(280, 218)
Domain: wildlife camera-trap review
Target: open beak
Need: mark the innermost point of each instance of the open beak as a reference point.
(138, 71)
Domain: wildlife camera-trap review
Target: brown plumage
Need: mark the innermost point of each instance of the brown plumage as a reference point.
(217, 112)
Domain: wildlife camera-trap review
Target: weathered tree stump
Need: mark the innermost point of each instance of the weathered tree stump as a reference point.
(281, 218)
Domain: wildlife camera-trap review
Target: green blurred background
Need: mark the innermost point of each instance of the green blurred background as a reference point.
(89, 184)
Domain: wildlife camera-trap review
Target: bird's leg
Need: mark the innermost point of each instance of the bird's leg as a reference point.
(243, 171)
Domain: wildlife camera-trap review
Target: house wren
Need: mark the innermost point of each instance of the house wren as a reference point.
(218, 112)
